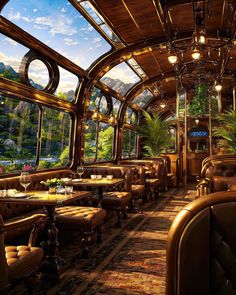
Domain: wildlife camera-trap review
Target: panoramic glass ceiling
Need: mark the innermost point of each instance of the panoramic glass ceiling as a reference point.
(60, 26)
(120, 78)
(143, 98)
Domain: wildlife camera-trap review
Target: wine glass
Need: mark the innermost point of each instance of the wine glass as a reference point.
(25, 180)
(80, 171)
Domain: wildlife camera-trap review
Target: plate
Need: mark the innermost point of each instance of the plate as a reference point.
(77, 179)
(19, 195)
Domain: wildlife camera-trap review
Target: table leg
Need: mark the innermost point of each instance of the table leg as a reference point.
(100, 196)
(50, 267)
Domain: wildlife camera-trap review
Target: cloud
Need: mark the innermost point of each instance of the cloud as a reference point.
(34, 10)
(63, 10)
(98, 45)
(88, 28)
(14, 62)
(97, 40)
(123, 73)
(14, 16)
(70, 42)
(12, 42)
(58, 25)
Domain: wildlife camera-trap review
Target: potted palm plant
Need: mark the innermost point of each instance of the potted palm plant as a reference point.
(226, 130)
(154, 132)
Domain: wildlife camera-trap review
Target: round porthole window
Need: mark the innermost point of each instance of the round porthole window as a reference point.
(38, 72)
(105, 105)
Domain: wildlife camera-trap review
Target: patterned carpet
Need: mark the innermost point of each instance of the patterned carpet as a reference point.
(131, 260)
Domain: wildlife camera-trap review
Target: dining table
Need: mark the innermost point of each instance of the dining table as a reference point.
(53, 262)
(97, 184)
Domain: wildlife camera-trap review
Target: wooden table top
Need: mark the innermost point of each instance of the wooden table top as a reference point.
(43, 198)
(96, 182)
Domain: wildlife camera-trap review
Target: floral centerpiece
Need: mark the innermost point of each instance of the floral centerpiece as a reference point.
(52, 184)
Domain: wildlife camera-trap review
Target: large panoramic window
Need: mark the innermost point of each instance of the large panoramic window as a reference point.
(143, 98)
(120, 78)
(19, 129)
(129, 147)
(55, 138)
(99, 139)
(18, 135)
(60, 26)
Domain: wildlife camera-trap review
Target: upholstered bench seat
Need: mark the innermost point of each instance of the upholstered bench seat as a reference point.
(22, 260)
(115, 201)
(152, 186)
(137, 190)
(82, 218)
(86, 220)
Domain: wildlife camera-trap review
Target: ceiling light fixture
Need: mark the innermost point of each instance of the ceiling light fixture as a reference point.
(218, 86)
(196, 54)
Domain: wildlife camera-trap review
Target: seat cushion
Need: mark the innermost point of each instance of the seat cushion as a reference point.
(80, 218)
(137, 190)
(22, 260)
(115, 200)
(153, 182)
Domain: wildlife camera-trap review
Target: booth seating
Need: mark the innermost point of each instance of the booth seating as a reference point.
(201, 247)
(16, 262)
(153, 171)
(87, 220)
(18, 219)
(119, 198)
(217, 174)
(137, 182)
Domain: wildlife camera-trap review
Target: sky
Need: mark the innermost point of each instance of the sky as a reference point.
(60, 26)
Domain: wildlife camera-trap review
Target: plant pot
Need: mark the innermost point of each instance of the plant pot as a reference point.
(52, 190)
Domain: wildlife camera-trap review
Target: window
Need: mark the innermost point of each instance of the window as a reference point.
(11, 54)
(18, 135)
(55, 137)
(143, 98)
(131, 116)
(129, 147)
(120, 78)
(19, 126)
(99, 138)
(60, 26)
(104, 103)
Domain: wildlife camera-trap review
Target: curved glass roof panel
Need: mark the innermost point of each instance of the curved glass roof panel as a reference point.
(11, 54)
(120, 78)
(60, 26)
(143, 98)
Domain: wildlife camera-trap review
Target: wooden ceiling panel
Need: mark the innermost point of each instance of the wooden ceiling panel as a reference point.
(149, 64)
(149, 26)
(120, 18)
(182, 18)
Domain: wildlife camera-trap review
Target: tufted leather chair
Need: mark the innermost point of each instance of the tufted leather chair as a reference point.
(154, 172)
(219, 171)
(201, 247)
(16, 262)
(116, 198)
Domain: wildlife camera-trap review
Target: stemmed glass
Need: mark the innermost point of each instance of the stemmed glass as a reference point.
(80, 171)
(25, 180)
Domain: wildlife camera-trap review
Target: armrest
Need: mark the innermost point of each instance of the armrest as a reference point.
(35, 222)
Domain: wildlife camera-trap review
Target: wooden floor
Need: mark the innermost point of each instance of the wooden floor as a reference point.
(131, 260)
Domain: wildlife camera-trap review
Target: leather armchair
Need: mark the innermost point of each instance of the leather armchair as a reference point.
(16, 262)
(217, 174)
(201, 247)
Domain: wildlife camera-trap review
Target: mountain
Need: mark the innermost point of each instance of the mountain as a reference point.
(117, 85)
(8, 70)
